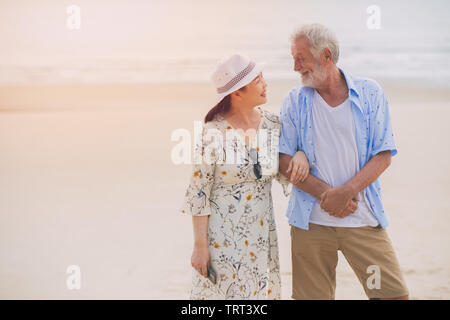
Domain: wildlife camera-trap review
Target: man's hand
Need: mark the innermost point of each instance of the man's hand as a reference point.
(351, 208)
(339, 201)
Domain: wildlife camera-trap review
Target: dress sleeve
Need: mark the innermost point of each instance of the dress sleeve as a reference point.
(285, 183)
(197, 197)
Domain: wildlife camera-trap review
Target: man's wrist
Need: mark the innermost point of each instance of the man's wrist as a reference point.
(350, 190)
(324, 188)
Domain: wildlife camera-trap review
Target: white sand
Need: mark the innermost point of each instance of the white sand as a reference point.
(86, 179)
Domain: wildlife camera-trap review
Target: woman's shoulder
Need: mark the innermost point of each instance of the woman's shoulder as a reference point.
(271, 117)
(218, 123)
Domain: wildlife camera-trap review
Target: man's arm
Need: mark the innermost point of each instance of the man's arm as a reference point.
(334, 200)
(370, 172)
(314, 186)
(382, 149)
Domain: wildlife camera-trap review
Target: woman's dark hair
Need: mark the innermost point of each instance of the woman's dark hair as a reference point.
(222, 107)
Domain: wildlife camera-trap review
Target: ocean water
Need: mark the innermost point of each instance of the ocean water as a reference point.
(181, 41)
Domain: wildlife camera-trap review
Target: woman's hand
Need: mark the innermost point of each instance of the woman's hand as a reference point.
(200, 259)
(299, 167)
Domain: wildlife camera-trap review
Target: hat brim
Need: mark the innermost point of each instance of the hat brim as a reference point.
(245, 81)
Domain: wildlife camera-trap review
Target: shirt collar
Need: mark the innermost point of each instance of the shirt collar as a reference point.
(350, 84)
(352, 90)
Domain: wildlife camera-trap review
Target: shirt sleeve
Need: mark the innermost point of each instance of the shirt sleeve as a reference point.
(382, 135)
(289, 137)
(197, 198)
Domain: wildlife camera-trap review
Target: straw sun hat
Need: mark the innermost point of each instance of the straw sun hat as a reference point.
(233, 73)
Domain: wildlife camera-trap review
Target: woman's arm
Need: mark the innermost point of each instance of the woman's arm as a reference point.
(197, 202)
(298, 167)
(200, 254)
(311, 185)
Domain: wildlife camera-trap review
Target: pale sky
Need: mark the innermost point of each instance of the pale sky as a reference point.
(34, 33)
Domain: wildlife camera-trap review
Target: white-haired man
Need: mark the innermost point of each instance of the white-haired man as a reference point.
(342, 123)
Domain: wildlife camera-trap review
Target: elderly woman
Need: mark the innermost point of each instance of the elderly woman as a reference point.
(235, 252)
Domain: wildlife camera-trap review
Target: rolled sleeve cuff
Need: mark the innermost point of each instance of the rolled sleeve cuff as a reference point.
(286, 150)
(392, 149)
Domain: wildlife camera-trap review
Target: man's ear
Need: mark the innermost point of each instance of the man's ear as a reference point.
(327, 55)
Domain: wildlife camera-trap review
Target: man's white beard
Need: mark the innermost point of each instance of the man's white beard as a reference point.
(315, 78)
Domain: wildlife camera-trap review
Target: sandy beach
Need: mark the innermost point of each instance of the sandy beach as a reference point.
(87, 180)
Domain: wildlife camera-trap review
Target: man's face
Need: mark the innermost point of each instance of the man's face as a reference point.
(304, 63)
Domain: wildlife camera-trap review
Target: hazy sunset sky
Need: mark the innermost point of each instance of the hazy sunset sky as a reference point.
(34, 33)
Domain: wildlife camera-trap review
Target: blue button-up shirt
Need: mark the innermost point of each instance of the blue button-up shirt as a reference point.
(373, 134)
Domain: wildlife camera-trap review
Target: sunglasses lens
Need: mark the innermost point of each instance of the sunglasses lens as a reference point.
(253, 153)
(257, 170)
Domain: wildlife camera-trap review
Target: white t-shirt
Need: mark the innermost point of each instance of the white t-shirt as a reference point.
(337, 159)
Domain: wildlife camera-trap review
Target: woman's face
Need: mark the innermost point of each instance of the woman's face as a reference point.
(255, 92)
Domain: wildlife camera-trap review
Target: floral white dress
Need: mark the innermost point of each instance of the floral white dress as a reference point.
(241, 233)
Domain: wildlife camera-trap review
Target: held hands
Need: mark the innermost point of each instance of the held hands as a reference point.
(339, 201)
(298, 167)
(200, 259)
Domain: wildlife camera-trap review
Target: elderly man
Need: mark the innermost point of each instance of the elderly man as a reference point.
(342, 123)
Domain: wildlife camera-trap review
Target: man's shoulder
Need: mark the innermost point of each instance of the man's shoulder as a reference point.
(294, 96)
(367, 86)
(299, 90)
(370, 94)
